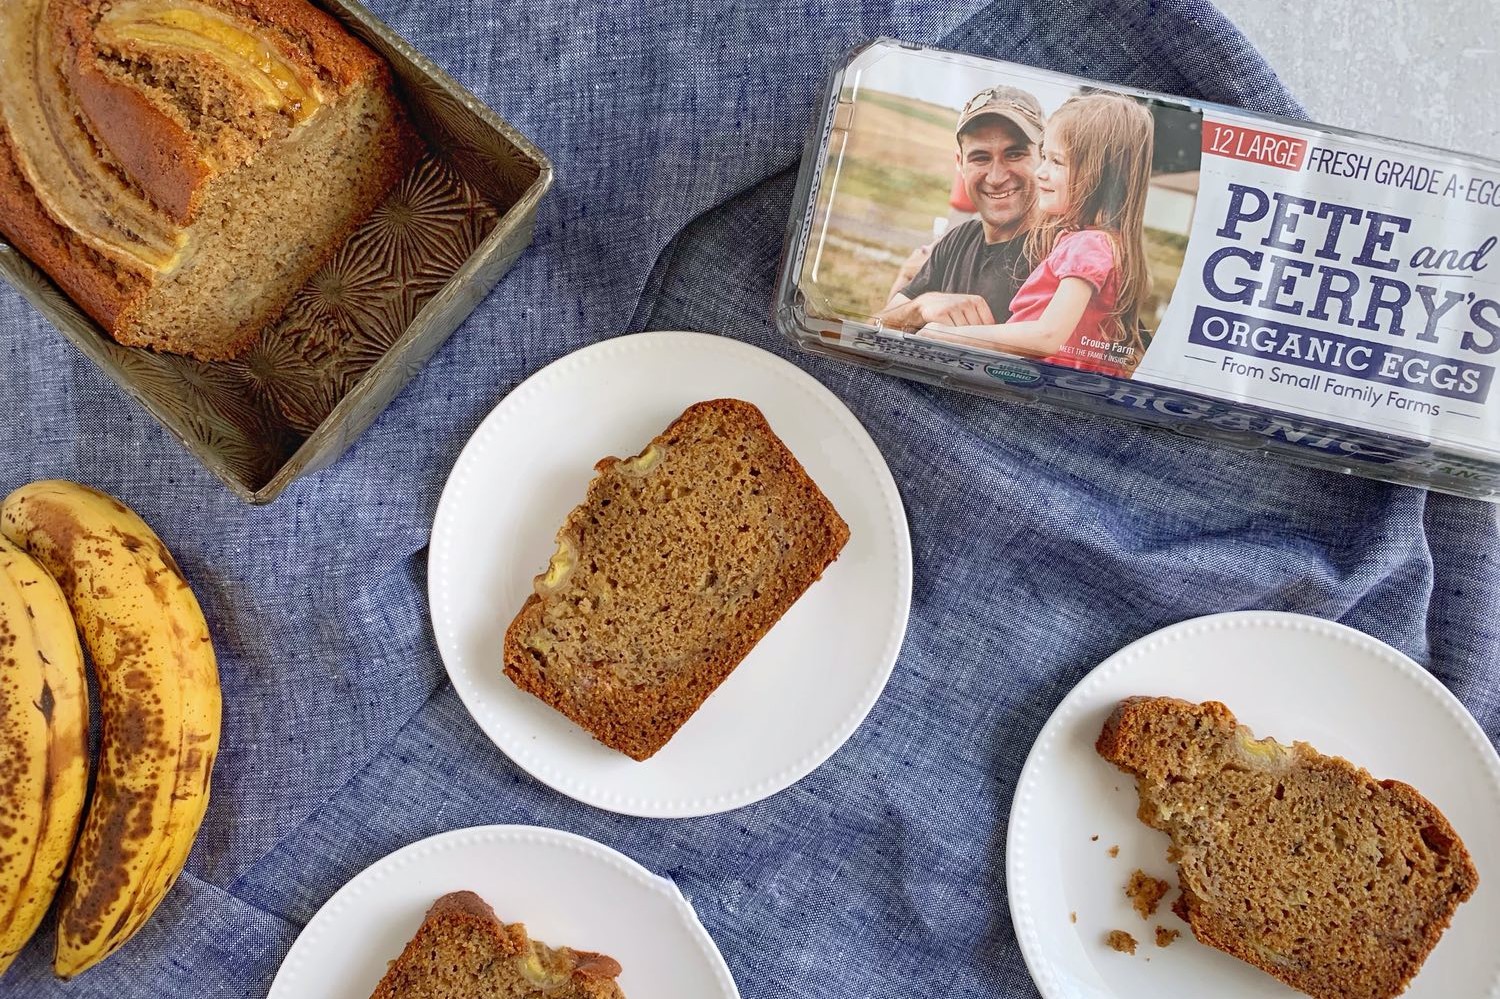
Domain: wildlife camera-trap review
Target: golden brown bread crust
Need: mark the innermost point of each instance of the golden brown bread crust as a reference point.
(96, 284)
(587, 963)
(462, 901)
(1335, 960)
(638, 718)
(153, 150)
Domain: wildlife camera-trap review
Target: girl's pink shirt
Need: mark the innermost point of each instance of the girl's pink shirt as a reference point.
(1087, 254)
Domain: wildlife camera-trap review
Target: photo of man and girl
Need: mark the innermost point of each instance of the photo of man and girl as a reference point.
(1059, 230)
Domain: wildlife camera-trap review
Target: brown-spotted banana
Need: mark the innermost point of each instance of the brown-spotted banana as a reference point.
(158, 699)
(44, 752)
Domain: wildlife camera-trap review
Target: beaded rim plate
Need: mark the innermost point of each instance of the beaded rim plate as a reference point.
(798, 695)
(1287, 676)
(568, 890)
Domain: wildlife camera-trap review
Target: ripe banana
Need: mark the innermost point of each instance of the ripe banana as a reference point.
(44, 752)
(159, 700)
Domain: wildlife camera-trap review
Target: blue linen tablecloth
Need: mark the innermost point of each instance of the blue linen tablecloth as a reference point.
(1042, 542)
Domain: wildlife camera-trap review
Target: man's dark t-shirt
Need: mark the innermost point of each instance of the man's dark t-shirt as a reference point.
(962, 263)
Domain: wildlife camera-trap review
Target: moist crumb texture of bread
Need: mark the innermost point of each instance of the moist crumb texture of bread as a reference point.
(181, 167)
(463, 951)
(1121, 941)
(676, 564)
(1301, 864)
(1145, 893)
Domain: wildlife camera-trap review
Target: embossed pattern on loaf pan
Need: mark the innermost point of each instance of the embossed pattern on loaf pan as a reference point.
(368, 320)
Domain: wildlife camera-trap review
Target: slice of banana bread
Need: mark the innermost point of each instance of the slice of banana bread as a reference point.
(1301, 864)
(678, 561)
(463, 951)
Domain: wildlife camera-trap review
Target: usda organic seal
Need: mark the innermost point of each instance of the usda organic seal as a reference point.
(1013, 372)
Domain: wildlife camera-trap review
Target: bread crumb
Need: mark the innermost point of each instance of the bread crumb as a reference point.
(1121, 941)
(1072, 917)
(1094, 838)
(1145, 892)
(1113, 851)
(1164, 936)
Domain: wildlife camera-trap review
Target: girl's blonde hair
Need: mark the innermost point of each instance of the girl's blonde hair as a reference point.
(1108, 138)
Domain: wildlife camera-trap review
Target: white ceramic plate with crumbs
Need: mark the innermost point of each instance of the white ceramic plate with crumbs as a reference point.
(799, 694)
(567, 890)
(1286, 676)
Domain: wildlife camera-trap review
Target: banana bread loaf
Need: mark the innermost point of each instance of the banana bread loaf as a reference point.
(463, 951)
(181, 167)
(677, 562)
(1300, 864)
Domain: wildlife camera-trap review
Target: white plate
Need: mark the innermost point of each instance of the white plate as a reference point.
(803, 690)
(569, 891)
(1286, 676)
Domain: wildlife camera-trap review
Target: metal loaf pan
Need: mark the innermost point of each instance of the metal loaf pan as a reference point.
(366, 323)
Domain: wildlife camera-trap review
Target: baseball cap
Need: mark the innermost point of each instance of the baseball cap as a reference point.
(1011, 103)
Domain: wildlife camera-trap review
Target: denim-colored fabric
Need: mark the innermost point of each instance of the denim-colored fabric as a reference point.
(1042, 542)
